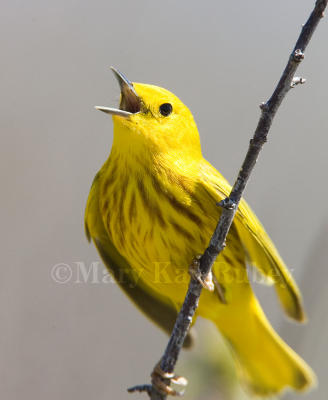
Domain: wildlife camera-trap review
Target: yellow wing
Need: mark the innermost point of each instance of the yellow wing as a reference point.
(260, 251)
(153, 306)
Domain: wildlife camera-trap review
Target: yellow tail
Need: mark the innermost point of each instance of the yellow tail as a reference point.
(267, 365)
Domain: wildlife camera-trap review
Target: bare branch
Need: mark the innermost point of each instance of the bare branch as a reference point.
(142, 388)
(230, 204)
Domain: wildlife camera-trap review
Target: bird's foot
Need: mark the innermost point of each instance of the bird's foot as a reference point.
(161, 381)
(207, 281)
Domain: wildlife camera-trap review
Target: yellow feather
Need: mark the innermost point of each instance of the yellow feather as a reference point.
(152, 209)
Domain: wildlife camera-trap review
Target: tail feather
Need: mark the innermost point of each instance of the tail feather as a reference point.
(267, 365)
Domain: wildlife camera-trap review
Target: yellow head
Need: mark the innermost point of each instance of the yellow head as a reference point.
(151, 120)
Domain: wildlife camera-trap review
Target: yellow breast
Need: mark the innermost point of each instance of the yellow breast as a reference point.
(157, 221)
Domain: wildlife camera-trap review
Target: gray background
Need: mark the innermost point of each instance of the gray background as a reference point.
(85, 340)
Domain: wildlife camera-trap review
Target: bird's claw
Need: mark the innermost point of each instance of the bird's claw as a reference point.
(158, 377)
(195, 273)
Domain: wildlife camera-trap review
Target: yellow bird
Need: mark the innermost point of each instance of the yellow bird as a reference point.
(153, 207)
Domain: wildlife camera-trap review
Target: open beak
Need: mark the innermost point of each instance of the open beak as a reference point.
(130, 102)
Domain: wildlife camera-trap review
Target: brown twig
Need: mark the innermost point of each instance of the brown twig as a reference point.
(230, 204)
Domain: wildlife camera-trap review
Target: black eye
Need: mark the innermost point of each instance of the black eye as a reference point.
(165, 109)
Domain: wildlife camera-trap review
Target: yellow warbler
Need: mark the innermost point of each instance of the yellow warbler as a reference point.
(153, 207)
